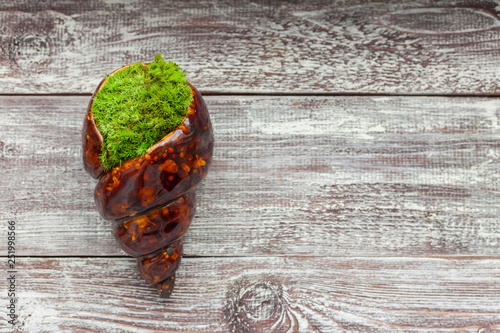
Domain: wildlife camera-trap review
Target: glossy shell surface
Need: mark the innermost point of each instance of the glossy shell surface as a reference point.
(146, 233)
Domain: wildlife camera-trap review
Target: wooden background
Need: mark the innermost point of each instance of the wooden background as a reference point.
(355, 185)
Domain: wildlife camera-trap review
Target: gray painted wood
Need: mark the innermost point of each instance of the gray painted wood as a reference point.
(320, 214)
(314, 176)
(392, 47)
(254, 294)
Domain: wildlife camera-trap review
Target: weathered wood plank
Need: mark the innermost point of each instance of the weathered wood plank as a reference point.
(415, 47)
(322, 176)
(253, 294)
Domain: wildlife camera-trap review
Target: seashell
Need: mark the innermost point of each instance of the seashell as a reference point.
(151, 198)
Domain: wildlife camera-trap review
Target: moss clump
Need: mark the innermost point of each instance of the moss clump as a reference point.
(138, 106)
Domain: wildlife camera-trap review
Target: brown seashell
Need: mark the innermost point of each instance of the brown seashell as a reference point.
(151, 198)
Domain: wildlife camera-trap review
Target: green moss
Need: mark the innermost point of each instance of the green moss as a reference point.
(138, 106)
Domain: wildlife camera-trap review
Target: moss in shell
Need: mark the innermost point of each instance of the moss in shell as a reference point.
(137, 106)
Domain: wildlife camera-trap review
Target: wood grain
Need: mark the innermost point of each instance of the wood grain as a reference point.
(307, 176)
(321, 213)
(389, 47)
(253, 294)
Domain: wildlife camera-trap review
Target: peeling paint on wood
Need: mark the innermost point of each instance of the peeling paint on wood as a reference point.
(391, 47)
(324, 176)
(440, 20)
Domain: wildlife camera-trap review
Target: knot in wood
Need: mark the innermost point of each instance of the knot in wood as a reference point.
(34, 39)
(258, 306)
(9, 149)
(29, 49)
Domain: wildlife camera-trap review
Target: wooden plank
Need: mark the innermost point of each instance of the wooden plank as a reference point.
(322, 176)
(253, 294)
(391, 47)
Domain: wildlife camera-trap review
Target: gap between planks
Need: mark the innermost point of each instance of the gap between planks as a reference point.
(451, 257)
(277, 94)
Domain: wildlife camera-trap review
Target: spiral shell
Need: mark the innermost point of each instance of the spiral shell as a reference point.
(151, 198)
